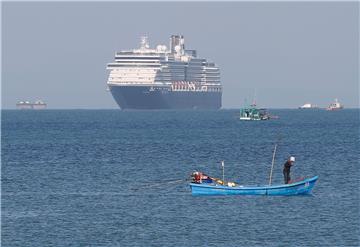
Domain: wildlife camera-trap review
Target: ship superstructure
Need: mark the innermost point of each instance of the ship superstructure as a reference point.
(163, 78)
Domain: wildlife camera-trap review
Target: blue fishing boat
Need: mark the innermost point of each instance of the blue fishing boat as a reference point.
(217, 187)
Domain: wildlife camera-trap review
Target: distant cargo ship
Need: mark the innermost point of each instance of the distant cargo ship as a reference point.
(335, 106)
(164, 78)
(26, 105)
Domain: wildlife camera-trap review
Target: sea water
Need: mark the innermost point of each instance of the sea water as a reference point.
(118, 178)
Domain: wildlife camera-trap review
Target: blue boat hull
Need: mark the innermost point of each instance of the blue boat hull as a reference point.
(299, 188)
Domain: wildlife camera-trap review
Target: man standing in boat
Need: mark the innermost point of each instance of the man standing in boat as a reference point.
(287, 166)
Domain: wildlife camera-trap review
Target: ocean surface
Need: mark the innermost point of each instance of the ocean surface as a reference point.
(117, 178)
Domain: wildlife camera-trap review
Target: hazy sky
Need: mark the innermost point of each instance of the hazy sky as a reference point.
(290, 53)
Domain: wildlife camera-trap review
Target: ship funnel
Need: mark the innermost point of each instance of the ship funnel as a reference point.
(177, 44)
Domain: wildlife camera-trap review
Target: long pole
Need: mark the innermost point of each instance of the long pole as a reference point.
(223, 171)
(272, 164)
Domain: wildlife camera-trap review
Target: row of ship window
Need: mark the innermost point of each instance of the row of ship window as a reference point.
(198, 89)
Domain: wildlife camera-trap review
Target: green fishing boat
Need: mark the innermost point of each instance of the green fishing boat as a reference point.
(252, 113)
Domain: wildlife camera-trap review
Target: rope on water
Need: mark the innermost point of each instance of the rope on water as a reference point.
(160, 184)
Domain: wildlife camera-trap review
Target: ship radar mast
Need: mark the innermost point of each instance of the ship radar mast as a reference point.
(254, 99)
(144, 43)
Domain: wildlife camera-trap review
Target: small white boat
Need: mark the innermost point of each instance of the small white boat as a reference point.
(335, 106)
(308, 106)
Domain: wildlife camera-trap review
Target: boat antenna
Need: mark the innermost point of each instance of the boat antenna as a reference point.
(144, 43)
(273, 160)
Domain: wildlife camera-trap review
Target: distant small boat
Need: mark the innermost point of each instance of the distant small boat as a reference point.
(24, 105)
(27, 105)
(302, 187)
(308, 106)
(335, 106)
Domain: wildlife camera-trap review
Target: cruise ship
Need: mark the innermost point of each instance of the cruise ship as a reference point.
(162, 78)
